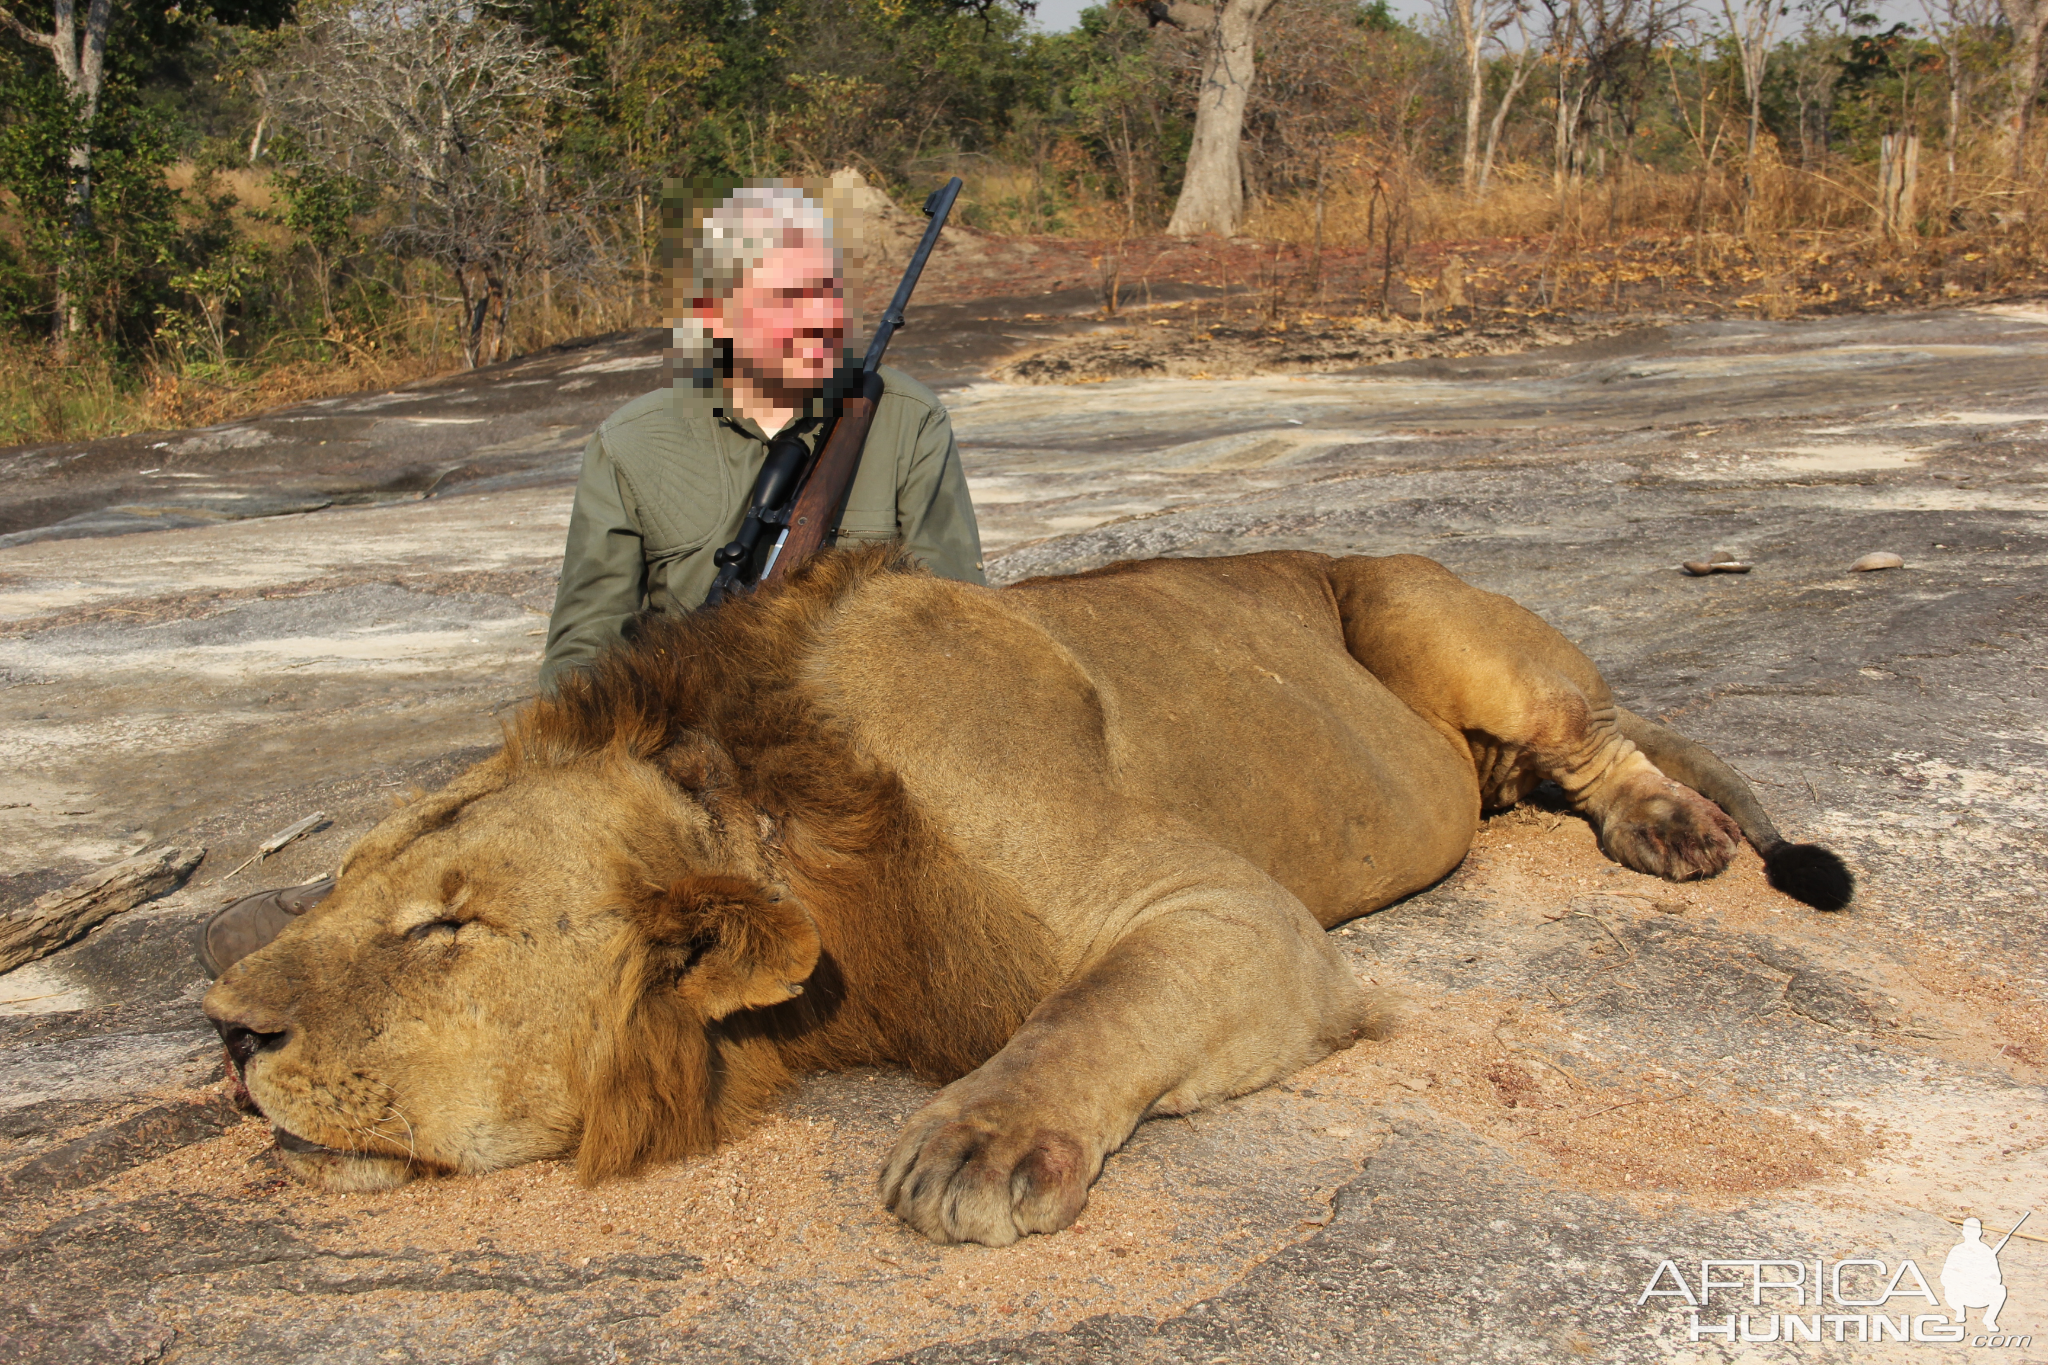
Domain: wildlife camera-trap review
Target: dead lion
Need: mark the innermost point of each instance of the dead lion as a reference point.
(1070, 846)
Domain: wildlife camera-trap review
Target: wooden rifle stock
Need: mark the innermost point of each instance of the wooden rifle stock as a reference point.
(815, 516)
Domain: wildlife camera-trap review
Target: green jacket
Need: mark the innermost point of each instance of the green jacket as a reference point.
(666, 481)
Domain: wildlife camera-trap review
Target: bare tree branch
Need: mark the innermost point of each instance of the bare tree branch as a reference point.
(27, 34)
(455, 104)
(1752, 24)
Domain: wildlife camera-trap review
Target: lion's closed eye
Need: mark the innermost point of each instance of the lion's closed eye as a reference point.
(455, 892)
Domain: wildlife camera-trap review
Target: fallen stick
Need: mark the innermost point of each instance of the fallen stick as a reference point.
(2013, 1231)
(288, 834)
(61, 917)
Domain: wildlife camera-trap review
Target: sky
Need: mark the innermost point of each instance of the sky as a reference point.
(1057, 16)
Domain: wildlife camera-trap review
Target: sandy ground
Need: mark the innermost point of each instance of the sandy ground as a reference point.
(1596, 1072)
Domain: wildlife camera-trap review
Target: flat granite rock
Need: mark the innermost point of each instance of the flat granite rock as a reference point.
(1594, 1073)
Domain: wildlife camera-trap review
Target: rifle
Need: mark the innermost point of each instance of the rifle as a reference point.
(801, 496)
(2010, 1231)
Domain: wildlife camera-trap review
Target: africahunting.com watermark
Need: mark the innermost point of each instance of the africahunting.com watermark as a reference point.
(1866, 1293)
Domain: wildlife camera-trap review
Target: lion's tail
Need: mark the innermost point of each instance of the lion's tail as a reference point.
(1805, 872)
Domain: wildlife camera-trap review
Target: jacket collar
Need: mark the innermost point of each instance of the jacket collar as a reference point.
(704, 394)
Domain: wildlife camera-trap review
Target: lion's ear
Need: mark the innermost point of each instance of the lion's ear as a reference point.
(736, 945)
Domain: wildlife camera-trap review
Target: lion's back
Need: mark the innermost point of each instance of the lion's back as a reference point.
(1214, 697)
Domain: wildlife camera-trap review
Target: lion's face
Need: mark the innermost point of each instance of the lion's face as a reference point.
(480, 989)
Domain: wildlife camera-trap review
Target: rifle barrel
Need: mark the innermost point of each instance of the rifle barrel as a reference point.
(2010, 1231)
(938, 206)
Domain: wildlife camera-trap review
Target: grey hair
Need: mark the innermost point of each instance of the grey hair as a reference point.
(735, 237)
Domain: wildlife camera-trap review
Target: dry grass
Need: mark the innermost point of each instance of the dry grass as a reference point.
(42, 401)
(1834, 196)
(1784, 241)
(96, 395)
(174, 398)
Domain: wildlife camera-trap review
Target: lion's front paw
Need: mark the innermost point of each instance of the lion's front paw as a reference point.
(1668, 830)
(958, 1178)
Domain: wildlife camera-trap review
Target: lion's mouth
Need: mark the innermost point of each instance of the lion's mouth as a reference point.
(292, 1142)
(338, 1170)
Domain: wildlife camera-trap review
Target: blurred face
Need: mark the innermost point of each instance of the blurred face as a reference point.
(787, 319)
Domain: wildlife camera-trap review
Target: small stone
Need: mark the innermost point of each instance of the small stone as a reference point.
(1700, 568)
(1877, 559)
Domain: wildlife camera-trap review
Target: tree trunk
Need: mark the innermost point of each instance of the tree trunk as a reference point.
(2029, 20)
(1570, 104)
(1571, 161)
(81, 60)
(62, 315)
(1750, 24)
(1500, 117)
(476, 304)
(1955, 119)
(61, 917)
(1468, 20)
(644, 287)
(1561, 143)
(1898, 178)
(1212, 195)
(498, 301)
(324, 273)
(1316, 271)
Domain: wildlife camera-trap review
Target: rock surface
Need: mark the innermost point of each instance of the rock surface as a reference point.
(1598, 1072)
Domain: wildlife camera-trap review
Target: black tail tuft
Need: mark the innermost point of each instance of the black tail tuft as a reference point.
(1810, 873)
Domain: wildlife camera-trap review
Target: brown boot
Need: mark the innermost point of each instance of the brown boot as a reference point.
(241, 927)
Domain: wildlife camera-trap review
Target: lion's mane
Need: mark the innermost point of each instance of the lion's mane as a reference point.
(921, 959)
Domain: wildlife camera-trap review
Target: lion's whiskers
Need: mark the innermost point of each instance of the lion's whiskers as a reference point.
(392, 1112)
(375, 1130)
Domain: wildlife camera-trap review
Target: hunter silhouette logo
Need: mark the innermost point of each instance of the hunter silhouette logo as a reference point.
(1970, 1279)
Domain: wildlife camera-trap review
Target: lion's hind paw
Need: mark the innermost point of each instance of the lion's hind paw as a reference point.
(966, 1181)
(1667, 830)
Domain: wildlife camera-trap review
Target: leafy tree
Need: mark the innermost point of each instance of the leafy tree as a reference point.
(216, 268)
(321, 205)
(94, 56)
(103, 270)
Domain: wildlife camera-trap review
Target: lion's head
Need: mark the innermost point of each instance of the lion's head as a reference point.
(678, 884)
(527, 964)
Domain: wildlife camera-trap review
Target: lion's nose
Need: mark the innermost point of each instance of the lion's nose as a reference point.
(244, 1042)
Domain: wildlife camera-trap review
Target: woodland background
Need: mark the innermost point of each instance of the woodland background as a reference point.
(262, 202)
